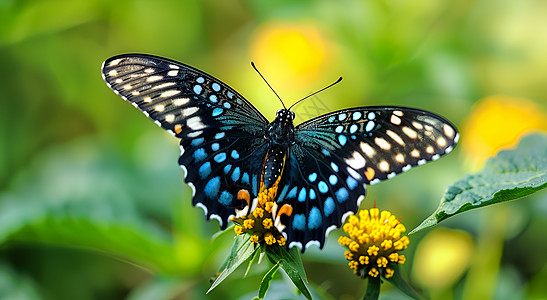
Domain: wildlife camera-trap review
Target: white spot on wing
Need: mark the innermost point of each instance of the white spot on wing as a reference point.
(395, 137)
(346, 215)
(395, 120)
(383, 166)
(169, 93)
(216, 217)
(200, 205)
(163, 85)
(114, 62)
(180, 101)
(417, 125)
(170, 118)
(367, 149)
(297, 244)
(173, 73)
(398, 113)
(189, 111)
(448, 131)
(357, 161)
(113, 73)
(329, 229)
(382, 143)
(154, 78)
(314, 242)
(409, 132)
(195, 123)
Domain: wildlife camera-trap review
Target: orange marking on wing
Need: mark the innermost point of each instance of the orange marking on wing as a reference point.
(178, 128)
(285, 209)
(369, 173)
(244, 195)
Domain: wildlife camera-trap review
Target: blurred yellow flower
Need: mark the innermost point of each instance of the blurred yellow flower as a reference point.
(499, 122)
(295, 53)
(441, 258)
(374, 241)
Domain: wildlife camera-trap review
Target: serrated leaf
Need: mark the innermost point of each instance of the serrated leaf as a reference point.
(242, 249)
(265, 284)
(510, 175)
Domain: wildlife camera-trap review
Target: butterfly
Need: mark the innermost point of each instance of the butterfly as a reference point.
(321, 166)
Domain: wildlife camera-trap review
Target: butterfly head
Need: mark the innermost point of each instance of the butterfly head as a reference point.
(281, 130)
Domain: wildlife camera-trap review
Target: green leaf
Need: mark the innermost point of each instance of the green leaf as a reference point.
(291, 263)
(265, 284)
(398, 281)
(242, 249)
(510, 175)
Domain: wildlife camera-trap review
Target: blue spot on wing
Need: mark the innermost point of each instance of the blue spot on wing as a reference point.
(235, 174)
(227, 168)
(299, 222)
(312, 194)
(333, 179)
(199, 155)
(302, 195)
(245, 178)
(217, 111)
(328, 206)
(312, 177)
(342, 139)
(314, 219)
(292, 193)
(197, 142)
(352, 183)
(205, 170)
(323, 187)
(220, 157)
(225, 198)
(342, 195)
(212, 187)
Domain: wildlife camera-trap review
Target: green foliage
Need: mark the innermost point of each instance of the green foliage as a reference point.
(243, 249)
(92, 203)
(510, 175)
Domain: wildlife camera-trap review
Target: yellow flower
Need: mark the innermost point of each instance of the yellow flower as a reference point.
(498, 122)
(374, 241)
(260, 223)
(294, 52)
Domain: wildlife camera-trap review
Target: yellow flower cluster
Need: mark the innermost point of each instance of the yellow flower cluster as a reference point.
(260, 223)
(374, 242)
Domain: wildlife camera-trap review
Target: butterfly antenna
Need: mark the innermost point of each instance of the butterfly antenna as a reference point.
(254, 67)
(337, 81)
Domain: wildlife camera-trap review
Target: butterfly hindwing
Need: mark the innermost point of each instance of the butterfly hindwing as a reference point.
(216, 125)
(321, 192)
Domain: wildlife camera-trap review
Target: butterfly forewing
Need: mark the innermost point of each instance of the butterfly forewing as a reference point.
(217, 126)
(379, 142)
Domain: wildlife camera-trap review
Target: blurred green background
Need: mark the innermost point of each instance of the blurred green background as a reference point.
(92, 204)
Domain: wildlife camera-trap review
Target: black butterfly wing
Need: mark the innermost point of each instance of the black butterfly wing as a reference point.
(336, 154)
(222, 144)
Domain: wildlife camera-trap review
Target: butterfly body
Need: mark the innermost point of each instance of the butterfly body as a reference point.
(229, 151)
